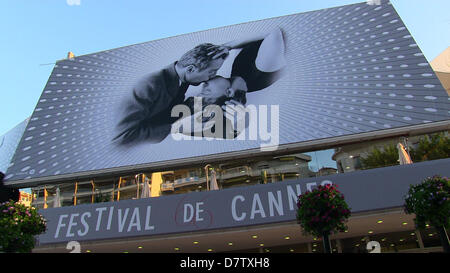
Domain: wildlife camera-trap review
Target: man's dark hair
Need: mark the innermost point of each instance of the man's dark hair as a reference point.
(201, 56)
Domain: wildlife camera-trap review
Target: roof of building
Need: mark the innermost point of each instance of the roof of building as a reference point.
(442, 62)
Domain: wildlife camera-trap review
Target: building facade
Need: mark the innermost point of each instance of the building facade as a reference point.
(354, 80)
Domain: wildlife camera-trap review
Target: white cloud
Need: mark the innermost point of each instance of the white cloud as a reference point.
(73, 2)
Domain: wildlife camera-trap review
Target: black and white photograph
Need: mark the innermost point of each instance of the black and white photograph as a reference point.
(259, 62)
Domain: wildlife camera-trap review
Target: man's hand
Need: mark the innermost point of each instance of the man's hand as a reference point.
(220, 51)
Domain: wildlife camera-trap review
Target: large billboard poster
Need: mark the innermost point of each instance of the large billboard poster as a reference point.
(257, 85)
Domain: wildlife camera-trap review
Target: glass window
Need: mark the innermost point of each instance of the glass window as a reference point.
(253, 171)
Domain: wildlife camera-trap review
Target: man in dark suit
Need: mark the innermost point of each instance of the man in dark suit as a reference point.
(146, 112)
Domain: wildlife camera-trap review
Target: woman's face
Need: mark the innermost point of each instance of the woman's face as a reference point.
(215, 88)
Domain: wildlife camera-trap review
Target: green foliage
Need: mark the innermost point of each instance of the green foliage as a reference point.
(430, 201)
(431, 147)
(322, 210)
(18, 225)
(377, 158)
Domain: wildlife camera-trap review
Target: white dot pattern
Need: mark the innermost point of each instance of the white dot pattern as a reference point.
(351, 69)
(9, 143)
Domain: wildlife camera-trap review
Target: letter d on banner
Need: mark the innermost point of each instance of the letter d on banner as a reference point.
(188, 209)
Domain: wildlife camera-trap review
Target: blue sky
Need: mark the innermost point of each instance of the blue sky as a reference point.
(39, 32)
